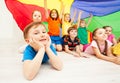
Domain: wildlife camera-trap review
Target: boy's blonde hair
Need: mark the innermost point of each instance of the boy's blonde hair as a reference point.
(29, 26)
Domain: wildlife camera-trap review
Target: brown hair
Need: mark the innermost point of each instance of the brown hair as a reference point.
(104, 27)
(106, 44)
(74, 27)
(56, 12)
(118, 40)
(29, 26)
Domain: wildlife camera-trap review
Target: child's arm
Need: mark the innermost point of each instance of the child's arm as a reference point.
(89, 20)
(31, 67)
(79, 17)
(73, 16)
(45, 6)
(62, 9)
(71, 52)
(114, 41)
(54, 60)
(104, 57)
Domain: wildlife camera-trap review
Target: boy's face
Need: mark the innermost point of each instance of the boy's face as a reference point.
(108, 30)
(37, 16)
(39, 34)
(73, 33)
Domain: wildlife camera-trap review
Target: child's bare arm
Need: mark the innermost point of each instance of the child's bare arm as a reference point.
(114, 41)
(62, 9)
(45, 6)
(31, 67)
(71, 52)
(89, 20)
(75, 11)
(104, 57)
(79, 17)
(54, 60)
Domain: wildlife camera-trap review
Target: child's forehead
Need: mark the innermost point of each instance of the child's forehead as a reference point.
(100, 30)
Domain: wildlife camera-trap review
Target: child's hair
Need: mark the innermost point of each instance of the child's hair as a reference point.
(118, 40)
(56, 12)
(106, 45)
(74, 27)
(106, 27)
(94, 33)
(29, 26)
(67, 14)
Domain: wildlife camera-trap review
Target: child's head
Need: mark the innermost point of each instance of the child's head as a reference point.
(99, 34)
(82, 23)
(36, 16)
(108, 29)
(36, 31)
(72, 31)
(54, 14)
(67, 17)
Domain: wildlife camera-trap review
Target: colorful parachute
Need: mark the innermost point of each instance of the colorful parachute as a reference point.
(106, 12)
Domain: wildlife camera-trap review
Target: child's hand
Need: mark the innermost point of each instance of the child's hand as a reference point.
(49, 42)
(35, 44)
(75, 54)
(117, 61)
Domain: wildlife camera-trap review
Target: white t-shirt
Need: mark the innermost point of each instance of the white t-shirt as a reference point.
(89, 49)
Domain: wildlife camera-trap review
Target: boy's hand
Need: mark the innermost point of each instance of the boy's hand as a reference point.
(49, 42)
(35, 44)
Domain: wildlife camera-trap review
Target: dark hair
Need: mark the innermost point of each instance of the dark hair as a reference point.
(94, 32)
(118, 40)
(74, 27)
(106, 27)
(106, 44)
(29, 26)
(51, 13)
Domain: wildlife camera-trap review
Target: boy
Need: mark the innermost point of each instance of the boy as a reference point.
(38, 51)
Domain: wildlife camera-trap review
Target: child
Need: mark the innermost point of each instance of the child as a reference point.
(116, 48)
(38, 51)
(101, 47)
(82, 31)
(71, 44)
(111, 36)
(66, 22)
(54, 22)
(36, 16)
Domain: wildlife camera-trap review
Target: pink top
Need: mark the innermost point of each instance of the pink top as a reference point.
(110, 38)
(89, 49)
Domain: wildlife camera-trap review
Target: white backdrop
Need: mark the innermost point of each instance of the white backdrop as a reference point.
(8, 26)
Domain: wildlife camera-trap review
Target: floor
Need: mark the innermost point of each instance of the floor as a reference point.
(76, 70)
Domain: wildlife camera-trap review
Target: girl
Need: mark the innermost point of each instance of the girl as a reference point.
(111, 36)
(54, 22)
(66, 22)
(71, 44)
(82, 30)
(101, 47)
(36, 16)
